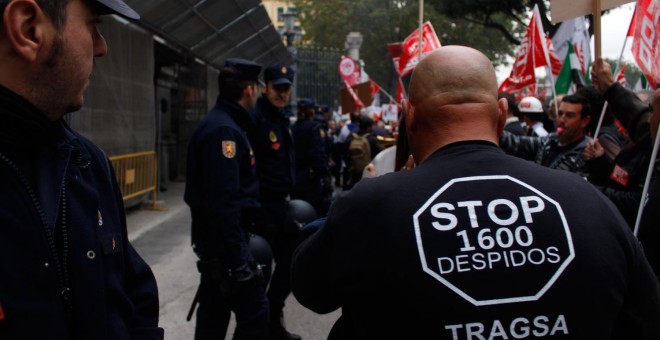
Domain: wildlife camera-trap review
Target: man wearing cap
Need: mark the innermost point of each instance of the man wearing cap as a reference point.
(312, 171)
(222, 191)
(274, 152)
(67, 269)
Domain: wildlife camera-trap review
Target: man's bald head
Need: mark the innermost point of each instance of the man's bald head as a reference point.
(453, 97)
(458, 74)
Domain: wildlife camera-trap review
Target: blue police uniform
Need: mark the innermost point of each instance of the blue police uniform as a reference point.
(67, 269)
(311, 160)
(274, 151)
(222, 190)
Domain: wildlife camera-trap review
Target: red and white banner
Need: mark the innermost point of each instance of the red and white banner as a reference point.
(410, 56)
(532, 53)
(350, 72)
(646, 44)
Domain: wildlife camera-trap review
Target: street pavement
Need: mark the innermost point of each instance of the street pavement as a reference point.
(162, 237)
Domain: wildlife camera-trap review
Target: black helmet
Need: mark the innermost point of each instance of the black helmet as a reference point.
(299, 213)
(262, 254)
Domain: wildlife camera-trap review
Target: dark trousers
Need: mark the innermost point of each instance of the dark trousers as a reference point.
(249, 304)
(283, 241)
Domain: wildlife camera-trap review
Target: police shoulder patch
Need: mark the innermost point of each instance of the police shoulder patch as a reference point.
(228, 148)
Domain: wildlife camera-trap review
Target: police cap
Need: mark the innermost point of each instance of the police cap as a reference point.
(305, 103)
(279, 74)
(243, 69)
(117, 7)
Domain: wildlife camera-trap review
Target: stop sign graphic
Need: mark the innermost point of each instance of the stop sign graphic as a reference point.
(493, 239)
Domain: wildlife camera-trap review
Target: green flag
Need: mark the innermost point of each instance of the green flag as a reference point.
(570, 72)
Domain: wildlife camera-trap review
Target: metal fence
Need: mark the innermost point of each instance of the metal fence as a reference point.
(318, 76)
(137, 174)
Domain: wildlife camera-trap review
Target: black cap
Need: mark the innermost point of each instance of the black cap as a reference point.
(244, 69)
(305, 103)
(118, 7)
(279, 74)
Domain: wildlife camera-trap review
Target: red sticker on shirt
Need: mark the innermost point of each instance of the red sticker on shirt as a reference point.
(619, 175)
(2, 313)
(275, 146)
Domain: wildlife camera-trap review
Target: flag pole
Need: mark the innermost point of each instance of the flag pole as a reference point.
(597, 26)
(617, 69)
(421, 23)
(649, 172)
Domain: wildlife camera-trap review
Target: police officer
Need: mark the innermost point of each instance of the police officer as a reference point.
(312, 171)
(274, 152)
(67, 270)
(222, 191)
(472, 243)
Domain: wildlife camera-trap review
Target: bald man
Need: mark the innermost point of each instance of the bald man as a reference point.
(473, 243)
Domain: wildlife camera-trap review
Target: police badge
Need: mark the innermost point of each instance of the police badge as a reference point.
(229, 148)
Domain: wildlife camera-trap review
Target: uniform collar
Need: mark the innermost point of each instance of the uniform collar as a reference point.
(236, 112)
(24, 126)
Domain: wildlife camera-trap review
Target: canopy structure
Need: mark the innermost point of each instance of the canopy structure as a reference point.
(214, 30)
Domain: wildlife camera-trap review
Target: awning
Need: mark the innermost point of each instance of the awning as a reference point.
(214, 30)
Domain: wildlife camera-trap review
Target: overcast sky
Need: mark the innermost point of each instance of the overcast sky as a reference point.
(614, 26)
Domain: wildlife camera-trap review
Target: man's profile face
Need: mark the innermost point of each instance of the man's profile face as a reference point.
(570, 121)
(64, 73)
(278, 95)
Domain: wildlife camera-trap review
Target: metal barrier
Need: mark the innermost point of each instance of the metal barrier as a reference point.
(137, 174)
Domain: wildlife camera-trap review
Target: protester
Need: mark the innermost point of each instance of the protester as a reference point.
(533, 115)
(274, 153)
(222, 191)
(641, 122)
(561, 149)
(68, 270)
(513, 123)
(429, 251)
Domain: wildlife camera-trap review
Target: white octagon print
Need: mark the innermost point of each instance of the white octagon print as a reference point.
(493, 239)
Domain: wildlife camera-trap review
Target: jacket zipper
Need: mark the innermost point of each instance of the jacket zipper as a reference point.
(61, 270)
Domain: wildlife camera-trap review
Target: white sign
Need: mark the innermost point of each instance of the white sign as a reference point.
(561, 10)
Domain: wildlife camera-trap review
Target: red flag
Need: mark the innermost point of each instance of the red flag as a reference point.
(374, 88)
(350, 73)
(645, 48)
(555, 62)
(621, 76)
(579, 53)
(633, 24)
(531, 54)
(410, 56)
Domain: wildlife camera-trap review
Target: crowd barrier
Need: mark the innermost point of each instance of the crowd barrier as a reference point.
(137, 174)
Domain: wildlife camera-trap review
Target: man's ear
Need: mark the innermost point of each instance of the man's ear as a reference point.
(25, 26)
(409, 112)
(585, 121)
(503, 106)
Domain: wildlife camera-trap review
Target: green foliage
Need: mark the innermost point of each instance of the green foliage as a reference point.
(327, 23)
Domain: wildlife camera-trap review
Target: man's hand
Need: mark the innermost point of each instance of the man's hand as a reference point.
(593, 150)
(601, 75)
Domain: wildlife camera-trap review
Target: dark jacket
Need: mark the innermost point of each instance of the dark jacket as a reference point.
(472, 240)
(221, 185)
(546, 151)
(273, 148)
(67, 268)
(634, 115)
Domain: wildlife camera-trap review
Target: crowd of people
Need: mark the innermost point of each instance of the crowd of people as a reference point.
(489, 218)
